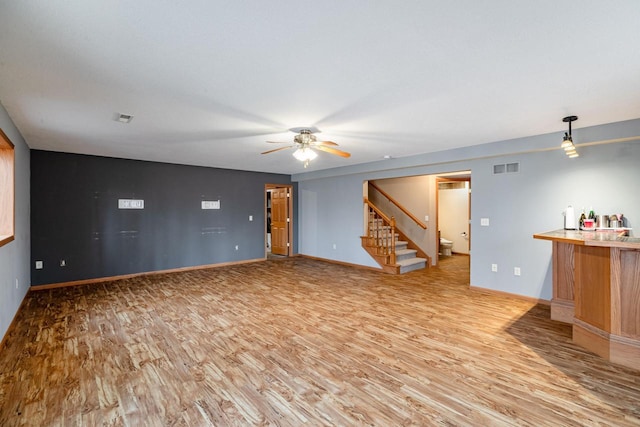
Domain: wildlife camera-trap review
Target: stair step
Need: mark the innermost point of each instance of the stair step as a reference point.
(400, 244)
(381, 233)
(402, 254)
(385, 239)
(411, 264)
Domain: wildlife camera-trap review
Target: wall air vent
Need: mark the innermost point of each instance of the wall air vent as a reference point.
(513, 167)
(506, 168)
(124, 118)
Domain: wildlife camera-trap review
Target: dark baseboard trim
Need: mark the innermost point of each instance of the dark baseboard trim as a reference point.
(146, 273)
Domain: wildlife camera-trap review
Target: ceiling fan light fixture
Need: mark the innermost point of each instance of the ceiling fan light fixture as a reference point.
(306, 143)
(305, 154)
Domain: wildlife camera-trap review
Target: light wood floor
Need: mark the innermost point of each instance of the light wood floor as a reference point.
(298, 341)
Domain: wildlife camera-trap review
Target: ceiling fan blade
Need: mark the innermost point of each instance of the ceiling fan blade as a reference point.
(276, 149)
(277, 142)
(326, 143)
(333, 151)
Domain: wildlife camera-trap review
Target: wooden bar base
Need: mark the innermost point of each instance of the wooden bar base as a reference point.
(596, 288)
(617, 349)
(562, 310)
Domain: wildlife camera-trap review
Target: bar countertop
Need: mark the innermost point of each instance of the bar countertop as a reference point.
(612, 239)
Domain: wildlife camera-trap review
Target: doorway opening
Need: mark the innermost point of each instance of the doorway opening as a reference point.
(278, 220)
(453, 215)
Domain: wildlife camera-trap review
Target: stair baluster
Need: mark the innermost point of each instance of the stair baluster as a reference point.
(381, 233)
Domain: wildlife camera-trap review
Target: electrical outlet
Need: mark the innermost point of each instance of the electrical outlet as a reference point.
(516, 271)
(484, 222)
(250, 217)
(426, 218)
(63, 263)
(334, 246)
(237, 247)
(39, 265)
(494, 268)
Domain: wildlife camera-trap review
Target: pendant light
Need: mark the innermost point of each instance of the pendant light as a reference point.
(567, 142)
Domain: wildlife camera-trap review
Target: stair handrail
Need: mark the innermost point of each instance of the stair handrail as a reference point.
(378, 211)
(400, 206)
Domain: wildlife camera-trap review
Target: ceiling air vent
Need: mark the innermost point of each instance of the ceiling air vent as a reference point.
(124, 118)
(506, 168)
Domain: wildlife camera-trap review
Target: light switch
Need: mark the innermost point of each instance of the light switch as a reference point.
(210, 204)
(130, 204)
(484, 222)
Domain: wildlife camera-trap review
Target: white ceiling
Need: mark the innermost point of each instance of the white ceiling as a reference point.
(208, 82)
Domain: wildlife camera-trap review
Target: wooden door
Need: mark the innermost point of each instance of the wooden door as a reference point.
(280, 221)
(469, 220)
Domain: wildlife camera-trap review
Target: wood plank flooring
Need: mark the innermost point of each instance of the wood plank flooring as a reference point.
(302, 342)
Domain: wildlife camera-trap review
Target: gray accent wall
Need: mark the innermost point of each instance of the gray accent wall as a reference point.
(517, 205)
(14, 256)
(75, 216)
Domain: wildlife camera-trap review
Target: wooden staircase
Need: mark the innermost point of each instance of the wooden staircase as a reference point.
(392, 250)
(407, 258)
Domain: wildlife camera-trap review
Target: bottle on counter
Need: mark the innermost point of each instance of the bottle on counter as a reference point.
(581, 220)
(592, 214)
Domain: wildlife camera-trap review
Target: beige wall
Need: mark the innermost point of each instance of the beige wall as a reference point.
(418, 195)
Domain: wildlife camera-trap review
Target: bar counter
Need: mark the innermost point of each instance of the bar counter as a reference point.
(596, 288)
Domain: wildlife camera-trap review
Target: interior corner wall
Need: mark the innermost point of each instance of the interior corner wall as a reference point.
(76, 216)
(14, 256)
(517, 205)
(331, 220)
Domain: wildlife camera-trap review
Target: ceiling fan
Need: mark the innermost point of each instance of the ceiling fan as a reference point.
(305, 143)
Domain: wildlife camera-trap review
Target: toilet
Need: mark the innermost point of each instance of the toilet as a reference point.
(445, 246)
